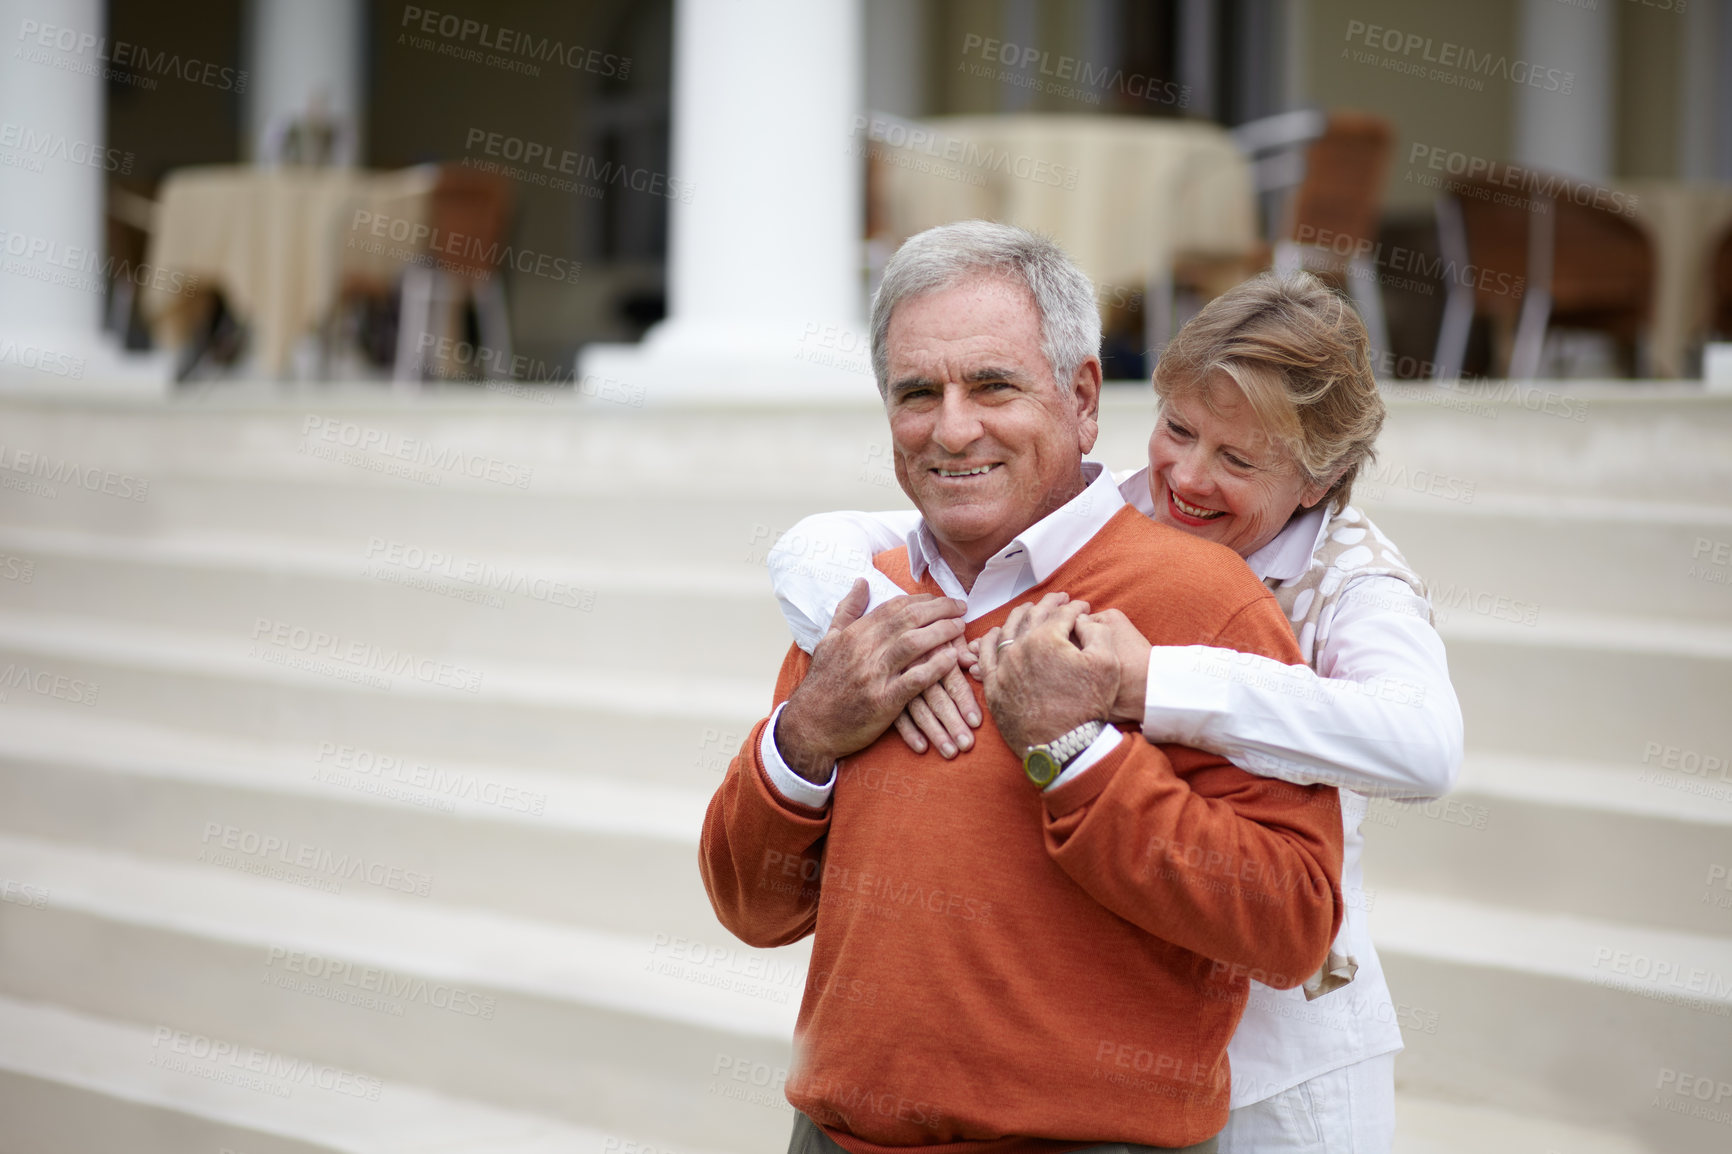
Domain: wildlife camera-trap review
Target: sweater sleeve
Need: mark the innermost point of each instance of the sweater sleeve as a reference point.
(1241, 869)
(762, 856)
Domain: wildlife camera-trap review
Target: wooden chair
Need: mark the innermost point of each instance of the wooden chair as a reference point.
(1531, 260)
(475, 206)
(1322, 178)
(1276, 147)
(1721, 323)
(1333, 219)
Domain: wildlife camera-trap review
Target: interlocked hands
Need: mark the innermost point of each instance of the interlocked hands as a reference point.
(1048, 669)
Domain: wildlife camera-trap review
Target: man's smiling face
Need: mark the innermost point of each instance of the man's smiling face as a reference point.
(986, 442)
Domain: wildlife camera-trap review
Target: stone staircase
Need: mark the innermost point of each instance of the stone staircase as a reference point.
(355, 748)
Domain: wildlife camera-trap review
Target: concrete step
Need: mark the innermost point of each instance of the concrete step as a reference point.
(455, 441)
(1430, 1126)
(1627, 842)
(1590, 686)
(671, 730)
(1532, 557)
(629, 616)
(603, 1030)
(582, 848)
(1562, 439)
(1529, 832)
(70, 1081)
(690, 616)
(1560, 974)
(201, 957)
(1665, 443)
(698, 526)
(1558, 1016)
(73, 1081)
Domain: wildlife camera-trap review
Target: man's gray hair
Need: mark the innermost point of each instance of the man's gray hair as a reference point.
(939, 258)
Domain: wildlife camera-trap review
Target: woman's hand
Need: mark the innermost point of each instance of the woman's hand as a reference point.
(1042, 679)
(1020, 621)
(946, 714)
(1113, 629)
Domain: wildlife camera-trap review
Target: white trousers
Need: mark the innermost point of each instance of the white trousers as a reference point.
(1346, 1111)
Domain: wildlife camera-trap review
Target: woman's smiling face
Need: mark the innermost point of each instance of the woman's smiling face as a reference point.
(1217, 474)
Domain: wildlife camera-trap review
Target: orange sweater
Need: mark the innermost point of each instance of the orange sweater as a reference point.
(997, 969)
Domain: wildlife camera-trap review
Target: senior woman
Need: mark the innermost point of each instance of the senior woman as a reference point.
(1268, 410)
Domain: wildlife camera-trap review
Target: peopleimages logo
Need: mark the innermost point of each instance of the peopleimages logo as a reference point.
(339, 980)
(544, 163)
(273, 855)
(219, 1060)
(426, 245)
(41, 359)
(392, 446)
(1455, 63)
(84, 269)
(1400, 258)
(60, 471)
(1068, 76)
(298, 646)
(57, 146)
(1542, 186)
(528, 48)
(974, 158)
(135, 58)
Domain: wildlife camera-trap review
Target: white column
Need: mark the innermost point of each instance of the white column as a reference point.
(1567, 132)
(765, 246)
(52, 167)
(302, 51)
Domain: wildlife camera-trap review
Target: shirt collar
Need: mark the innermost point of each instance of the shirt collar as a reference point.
(1284, 558)
(1050, 541)
(1290, 553)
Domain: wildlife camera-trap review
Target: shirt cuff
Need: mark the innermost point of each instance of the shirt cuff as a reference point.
(1188, 688)
(1104, 743)
(789, 784)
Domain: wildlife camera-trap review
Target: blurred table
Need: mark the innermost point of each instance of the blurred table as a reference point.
(1124, 196)
(1685, 222)
(279, 243)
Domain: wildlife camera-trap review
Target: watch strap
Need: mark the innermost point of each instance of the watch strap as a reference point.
(1043, 763)
(1069, 747)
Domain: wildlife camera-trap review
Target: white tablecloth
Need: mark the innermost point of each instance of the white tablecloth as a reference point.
(277, 244)
(1686, 223)
(1123, 196)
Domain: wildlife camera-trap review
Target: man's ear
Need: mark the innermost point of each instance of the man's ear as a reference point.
(1086, 395)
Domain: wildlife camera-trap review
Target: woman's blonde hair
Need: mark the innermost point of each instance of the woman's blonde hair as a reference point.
(1301, 356)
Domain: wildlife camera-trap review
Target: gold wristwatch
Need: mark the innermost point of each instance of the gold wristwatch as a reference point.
(1042, 763)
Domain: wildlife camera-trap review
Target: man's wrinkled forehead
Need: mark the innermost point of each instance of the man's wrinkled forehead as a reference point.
(987, 338)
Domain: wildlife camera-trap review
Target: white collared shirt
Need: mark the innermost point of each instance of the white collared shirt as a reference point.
(1030, 558)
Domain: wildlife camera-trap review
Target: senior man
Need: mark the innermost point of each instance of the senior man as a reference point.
(1045, 943)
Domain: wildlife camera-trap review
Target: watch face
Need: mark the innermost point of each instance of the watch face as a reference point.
(1040, 766)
